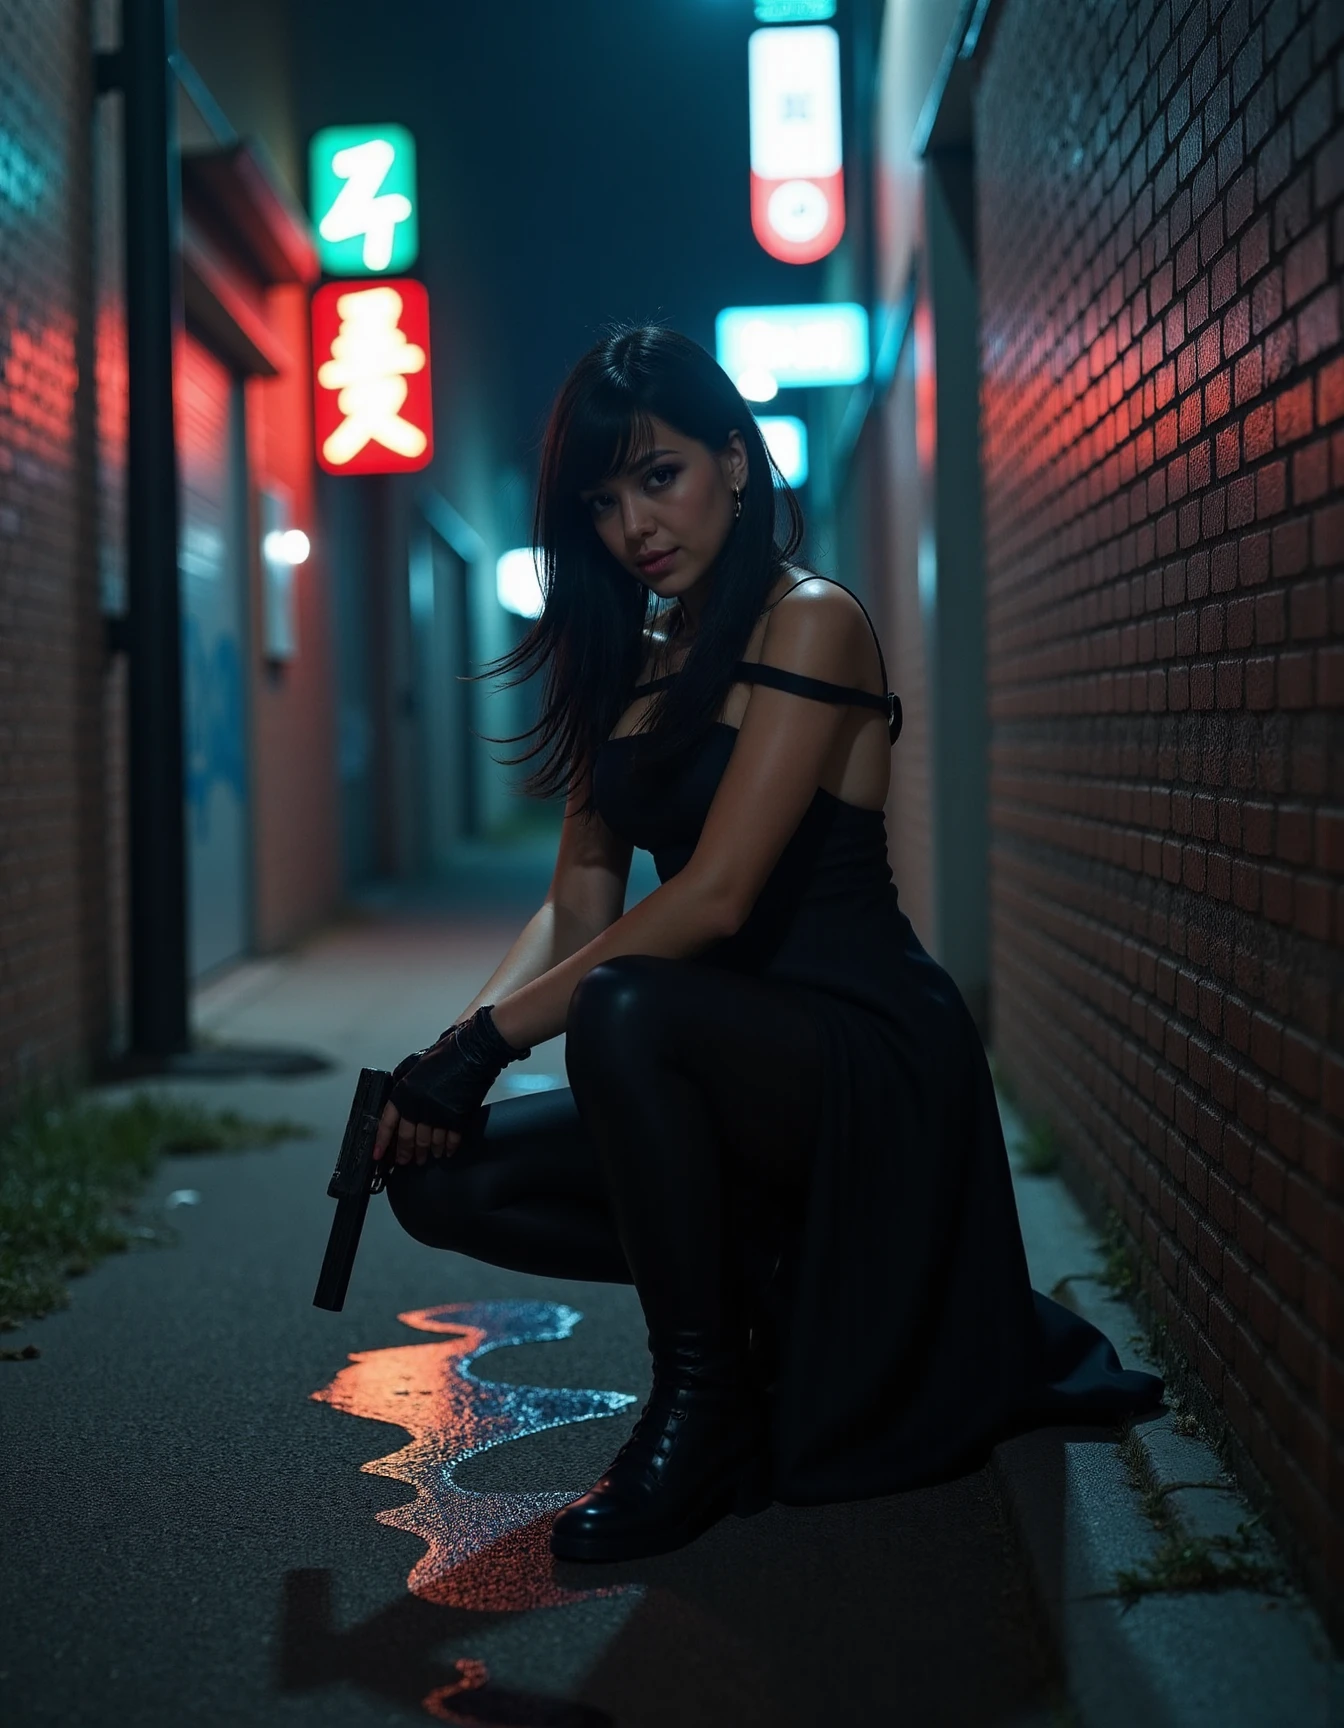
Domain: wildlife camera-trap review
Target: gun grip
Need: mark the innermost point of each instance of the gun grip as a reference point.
(350, 1186)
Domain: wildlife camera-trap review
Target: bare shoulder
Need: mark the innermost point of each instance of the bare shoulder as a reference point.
(819, 624)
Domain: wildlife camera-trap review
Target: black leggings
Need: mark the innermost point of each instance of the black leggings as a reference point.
(693, 1090)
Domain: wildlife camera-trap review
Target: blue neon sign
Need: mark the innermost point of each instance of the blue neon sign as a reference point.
(794, 11)
(795, 345)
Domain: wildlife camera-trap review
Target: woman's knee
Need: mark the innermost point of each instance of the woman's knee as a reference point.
(614, 1002)
(431, 1203)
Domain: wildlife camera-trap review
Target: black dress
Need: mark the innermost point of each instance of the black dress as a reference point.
(909, 1337)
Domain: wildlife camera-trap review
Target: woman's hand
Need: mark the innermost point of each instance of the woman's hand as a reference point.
(413, 1140)
(441, 1088)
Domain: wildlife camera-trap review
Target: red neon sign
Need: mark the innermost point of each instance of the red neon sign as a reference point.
(797, 179)
(372, 411)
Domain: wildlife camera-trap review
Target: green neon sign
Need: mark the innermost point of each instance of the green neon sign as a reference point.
(361, 182)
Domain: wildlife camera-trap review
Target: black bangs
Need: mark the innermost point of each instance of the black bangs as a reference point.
(605, 432)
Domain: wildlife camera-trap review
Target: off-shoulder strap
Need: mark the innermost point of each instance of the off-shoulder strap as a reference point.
(756, 672)
(821, 689)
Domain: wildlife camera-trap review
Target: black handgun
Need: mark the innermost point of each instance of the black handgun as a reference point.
(356, 1177)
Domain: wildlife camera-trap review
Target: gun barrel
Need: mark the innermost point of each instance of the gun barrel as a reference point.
(342, 1245)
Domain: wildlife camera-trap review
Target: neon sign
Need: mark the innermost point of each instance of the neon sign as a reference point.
(794, 11)
(362, 181)
(797, 186)
(794, 345)
(371, 377)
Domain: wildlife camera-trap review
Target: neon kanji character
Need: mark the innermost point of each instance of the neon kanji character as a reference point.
(370, 358)
(360, 208)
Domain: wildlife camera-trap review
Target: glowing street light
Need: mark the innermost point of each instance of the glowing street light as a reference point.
(757, 384)
(517, 582)
(287, 546)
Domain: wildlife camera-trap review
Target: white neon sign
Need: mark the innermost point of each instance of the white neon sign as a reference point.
(797, 179)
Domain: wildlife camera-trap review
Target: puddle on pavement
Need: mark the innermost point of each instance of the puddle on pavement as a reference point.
(489, 1552)
(470, 1701)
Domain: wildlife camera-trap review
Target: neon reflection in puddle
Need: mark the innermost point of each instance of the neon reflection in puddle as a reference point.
(485, 1551)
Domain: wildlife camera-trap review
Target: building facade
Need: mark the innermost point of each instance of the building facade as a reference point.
(260, 807)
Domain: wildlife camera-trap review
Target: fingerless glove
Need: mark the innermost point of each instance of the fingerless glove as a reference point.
(443, 1085)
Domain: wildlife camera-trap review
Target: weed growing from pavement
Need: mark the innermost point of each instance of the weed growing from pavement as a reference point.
(70, 1170)
(1119, 1271)
(1037, 1152)
(1184, 1561)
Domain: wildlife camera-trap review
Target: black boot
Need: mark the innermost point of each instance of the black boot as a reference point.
(694, 1456)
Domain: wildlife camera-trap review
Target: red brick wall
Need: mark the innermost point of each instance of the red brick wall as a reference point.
(52, 868)
(111, 409)
(1162, 235)
(295, 811)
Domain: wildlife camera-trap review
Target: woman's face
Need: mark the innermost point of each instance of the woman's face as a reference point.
(666, 516)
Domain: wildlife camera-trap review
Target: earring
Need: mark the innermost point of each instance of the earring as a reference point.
(737, 502)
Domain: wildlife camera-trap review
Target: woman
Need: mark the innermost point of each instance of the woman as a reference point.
(780, 1124)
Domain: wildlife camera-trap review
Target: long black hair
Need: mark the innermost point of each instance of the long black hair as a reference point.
(589, 636)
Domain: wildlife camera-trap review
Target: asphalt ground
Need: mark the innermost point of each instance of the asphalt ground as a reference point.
(191, 1536)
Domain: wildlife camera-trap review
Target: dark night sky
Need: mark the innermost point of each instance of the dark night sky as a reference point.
(601, 148)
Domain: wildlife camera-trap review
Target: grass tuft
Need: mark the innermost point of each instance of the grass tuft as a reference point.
(70, 1169)
(1119, 1271)
(1184, 1561)
(1037, 1153)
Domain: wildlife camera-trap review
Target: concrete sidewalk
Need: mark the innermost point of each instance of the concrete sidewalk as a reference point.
(1246, 1657)
(192, 1535)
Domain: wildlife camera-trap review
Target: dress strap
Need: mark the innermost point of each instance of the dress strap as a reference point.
(821, 689)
